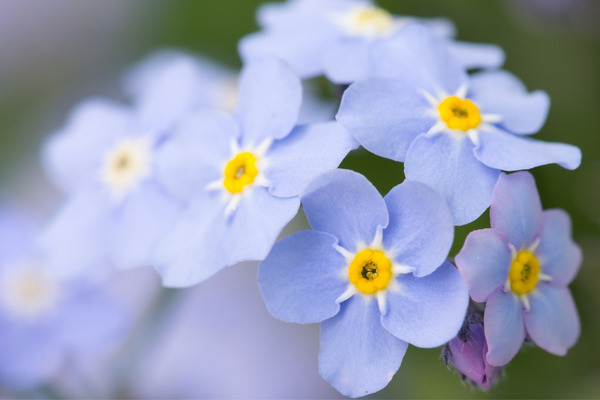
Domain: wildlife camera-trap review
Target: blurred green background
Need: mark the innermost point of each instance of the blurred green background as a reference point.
(56, 53)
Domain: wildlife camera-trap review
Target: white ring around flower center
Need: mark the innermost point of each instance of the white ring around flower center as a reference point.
(27, 291)
(126, 165)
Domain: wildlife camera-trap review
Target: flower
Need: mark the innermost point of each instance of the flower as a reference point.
(466, 352)
(334, 37)
(521, 267)
(45, 318)
(104, 159)
(453, 132)
(373, 272)
(241, 176)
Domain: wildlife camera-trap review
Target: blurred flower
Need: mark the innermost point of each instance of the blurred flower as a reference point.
(45, 318)
(373, 272)
(466, 352)
(521, 267)
(453, 132)
(241, 175)
(334, 37)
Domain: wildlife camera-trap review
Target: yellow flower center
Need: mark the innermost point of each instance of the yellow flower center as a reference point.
(126, 165)
(459, 114)
(370, 21)
(370, 271)
(240, 172)
(524, 271)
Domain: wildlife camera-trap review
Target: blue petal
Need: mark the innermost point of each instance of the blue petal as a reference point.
(476, 55)
(16, 235)
(504, 327)
(559, 256)
(447, 164)
(138, 224)
(484, 262)
(552, 322)
(75, 240)
(303, 155)
(420, 231)
(345, 204)
(509, 152)
(357, 356)
(418, 55)
(516, 210)
(347, 61)
(385, 115)
(270, 94)
(501, 93)
(256, 223)
(196, 153)
(73, 156)
(192, 251)
(302, 277)
(427, 311)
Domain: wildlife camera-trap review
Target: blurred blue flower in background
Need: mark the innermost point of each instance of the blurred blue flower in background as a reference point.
(373, 272)
(521, 267)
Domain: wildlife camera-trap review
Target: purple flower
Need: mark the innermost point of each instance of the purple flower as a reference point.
(466, 352)
(373, 272)
(521, 267)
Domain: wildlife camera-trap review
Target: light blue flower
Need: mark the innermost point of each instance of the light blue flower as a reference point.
(452, 131)
(373, 272)
(334, 37)
(104, 159)
(521, 267)
(241, 176)
(44, 318)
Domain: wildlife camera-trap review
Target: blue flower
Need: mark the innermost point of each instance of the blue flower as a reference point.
(453, 132)
(334, 37)
(373, 272)
(104, 159)
(241, 176)
(521, 267)
(45, 318)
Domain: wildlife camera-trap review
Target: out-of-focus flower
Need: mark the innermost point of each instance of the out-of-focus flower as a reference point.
(45, 318)
(242, 175)
(373, 272)
(334, 37)
(466, 352)
(521, 267)
(453, 132)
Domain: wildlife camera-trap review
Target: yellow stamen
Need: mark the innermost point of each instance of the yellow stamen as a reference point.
(524, 271)
(459, 114)
(240, 172)
(370, 271)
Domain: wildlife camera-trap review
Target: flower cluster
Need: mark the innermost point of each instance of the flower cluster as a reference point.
(200, 170)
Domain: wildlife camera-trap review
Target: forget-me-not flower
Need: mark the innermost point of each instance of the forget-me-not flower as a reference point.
(334, 37)
(453, 132)
(45, 318)
(373, 272)
(241, 176)
(521, 267)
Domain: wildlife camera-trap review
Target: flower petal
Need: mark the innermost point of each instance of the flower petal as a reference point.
(476, 55)
(73, 156)
(269, 100)
(501, 93)
(447, 164)
(303, 155)
(385, 115)
(420, 231)
(418, 55)
(559, 256)
(504, 327)
(552, 322)
(301, 278)
(347, 61)
(196, 154)
(484, 262)
(357, 356)
(427, 311)
(345, 204)
(510, 152)
(516, 210)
